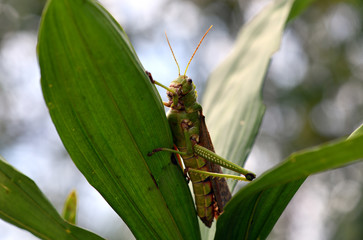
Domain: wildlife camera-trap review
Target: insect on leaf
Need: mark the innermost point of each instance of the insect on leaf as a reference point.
(109, 116)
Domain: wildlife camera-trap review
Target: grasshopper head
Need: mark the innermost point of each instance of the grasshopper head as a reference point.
(182, 85)
(184, 92)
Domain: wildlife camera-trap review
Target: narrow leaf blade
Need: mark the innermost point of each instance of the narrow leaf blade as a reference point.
(233, 98)
(232, 102)
(24, 205)
(254, 210)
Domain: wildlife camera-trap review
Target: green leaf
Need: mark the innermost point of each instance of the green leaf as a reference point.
(232, 101)
(234, 92)
(109, 116)
(24, 205)
(357, 132)
(254, 210)
(234, 109)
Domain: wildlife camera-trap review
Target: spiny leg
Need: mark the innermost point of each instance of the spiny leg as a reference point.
(217, 175)
(213, 157)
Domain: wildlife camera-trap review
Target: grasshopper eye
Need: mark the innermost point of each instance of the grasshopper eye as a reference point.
(190, 80)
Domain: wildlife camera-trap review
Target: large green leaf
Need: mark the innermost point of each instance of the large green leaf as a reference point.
(24, 205)
(233, 98)
(234, 110)
(254, 210)
(232, 101)
(109, 116)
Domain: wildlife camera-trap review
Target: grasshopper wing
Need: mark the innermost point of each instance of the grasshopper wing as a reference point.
(220, 187)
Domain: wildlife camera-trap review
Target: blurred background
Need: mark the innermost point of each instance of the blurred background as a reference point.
(313, 93)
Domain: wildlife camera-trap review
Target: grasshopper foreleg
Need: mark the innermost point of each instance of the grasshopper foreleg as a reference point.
(175, 97)
(157, 83)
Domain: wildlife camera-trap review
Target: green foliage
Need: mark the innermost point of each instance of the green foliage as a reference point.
(233, 98)
(254, 210)
(109, 116)
(24, 205)
(235, 87)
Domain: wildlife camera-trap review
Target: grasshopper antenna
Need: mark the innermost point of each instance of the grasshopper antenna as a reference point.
(200, 42)
(172, 53)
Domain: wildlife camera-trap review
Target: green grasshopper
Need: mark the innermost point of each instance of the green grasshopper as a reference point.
(194, 145)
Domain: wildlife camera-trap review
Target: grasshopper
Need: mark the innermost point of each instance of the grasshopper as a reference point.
(194, 145)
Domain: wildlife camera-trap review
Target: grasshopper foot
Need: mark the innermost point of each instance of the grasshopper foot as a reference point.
(250, 176)
(154, 151)
(150, 77)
